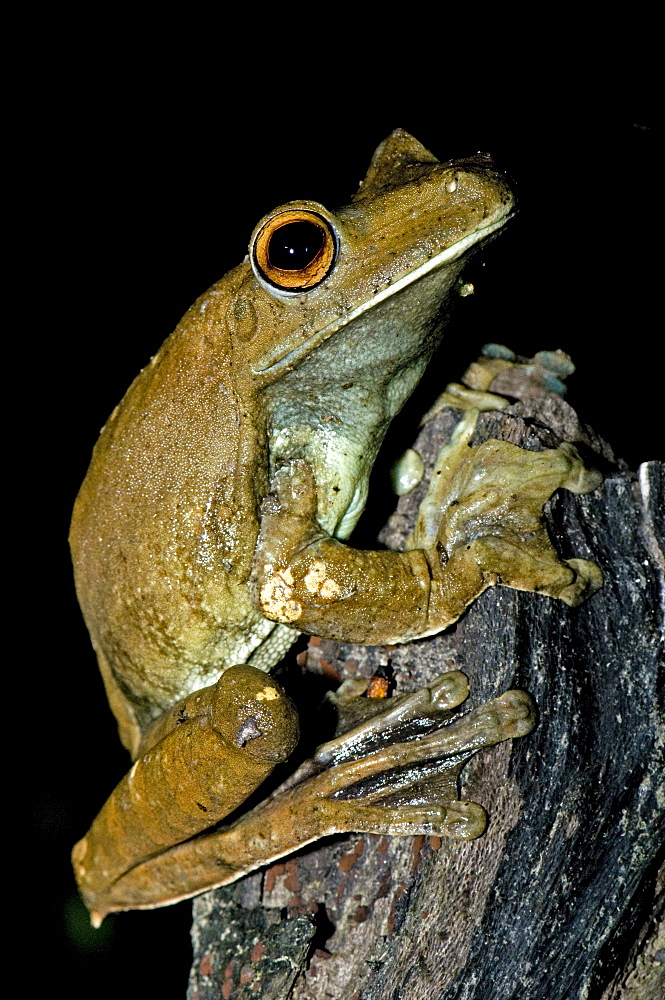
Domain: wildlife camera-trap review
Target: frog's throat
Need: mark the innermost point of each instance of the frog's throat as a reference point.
(446, 256)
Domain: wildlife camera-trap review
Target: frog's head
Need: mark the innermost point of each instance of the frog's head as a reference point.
(340, 312)
(315, 272)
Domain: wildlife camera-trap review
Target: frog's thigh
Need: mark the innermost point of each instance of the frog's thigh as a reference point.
(223, 742)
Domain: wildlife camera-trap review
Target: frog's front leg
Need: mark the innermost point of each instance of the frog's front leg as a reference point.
(400, 789)
(195, 765)
(480, 525)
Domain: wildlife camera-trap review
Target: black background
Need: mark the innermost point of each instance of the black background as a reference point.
(139, 186)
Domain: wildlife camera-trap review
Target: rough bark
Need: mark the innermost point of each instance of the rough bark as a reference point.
(560, 897)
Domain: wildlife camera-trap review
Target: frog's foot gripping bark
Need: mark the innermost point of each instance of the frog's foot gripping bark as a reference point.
(498, 373)
(479, 525)
(359, 782)
(483, 515)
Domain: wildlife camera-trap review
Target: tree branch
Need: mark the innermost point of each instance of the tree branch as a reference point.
(551, 900)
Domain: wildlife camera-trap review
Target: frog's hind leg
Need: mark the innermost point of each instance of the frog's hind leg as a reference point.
(401, 716)
(196, 765)
(400, 789)
(424, 770)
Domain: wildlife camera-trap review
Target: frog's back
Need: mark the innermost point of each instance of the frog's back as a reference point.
(165, 522)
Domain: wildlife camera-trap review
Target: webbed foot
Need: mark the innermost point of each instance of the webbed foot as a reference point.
(360, 782)
(481, 520)
(500, 373)
(588, 580)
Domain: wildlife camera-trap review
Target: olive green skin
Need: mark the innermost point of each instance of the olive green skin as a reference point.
(165, 526)
(209, 532)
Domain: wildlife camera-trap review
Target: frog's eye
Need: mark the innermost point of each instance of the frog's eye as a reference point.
(295, 250)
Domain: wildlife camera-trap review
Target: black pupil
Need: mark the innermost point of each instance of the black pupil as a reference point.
(295, 245)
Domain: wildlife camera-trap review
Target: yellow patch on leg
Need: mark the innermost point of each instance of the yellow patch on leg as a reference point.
(330, 590)
(316, 574)
(276, 598)
(317, 581)
(267, 694)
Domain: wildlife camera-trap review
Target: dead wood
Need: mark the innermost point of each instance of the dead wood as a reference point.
(560, 898)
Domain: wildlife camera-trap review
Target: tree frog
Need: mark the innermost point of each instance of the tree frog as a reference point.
(211, 530)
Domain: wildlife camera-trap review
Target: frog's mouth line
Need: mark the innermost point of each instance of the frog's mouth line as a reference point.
(446, 256)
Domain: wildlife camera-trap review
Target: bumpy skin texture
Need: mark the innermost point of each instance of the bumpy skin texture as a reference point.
(164, 528)
(208, 533)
